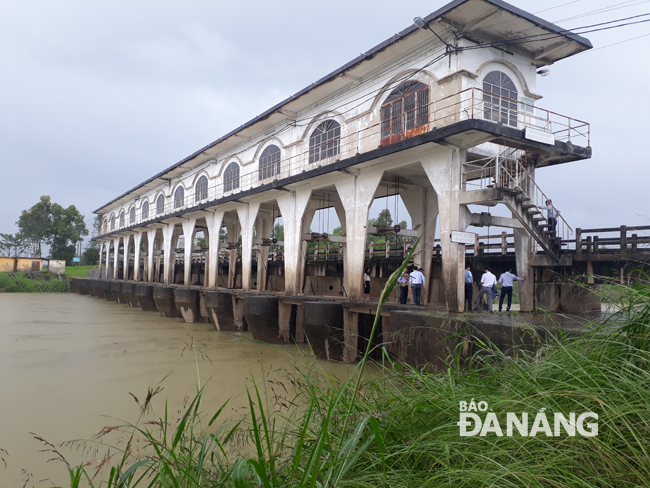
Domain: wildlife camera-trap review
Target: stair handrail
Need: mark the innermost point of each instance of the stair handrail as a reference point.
(502, 170)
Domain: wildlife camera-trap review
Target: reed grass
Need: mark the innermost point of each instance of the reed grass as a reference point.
(397, 427)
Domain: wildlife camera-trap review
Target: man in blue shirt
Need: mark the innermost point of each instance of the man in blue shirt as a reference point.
(506, 280)
(469, 288)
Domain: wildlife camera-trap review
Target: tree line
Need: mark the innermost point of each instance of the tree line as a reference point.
(49, 224)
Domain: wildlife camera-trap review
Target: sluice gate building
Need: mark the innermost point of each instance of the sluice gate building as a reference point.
(443, 115)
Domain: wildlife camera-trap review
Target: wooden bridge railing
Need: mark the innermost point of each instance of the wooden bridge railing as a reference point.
(621, 240)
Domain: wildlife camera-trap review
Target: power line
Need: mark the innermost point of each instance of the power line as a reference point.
(615, 44)
(557, 6)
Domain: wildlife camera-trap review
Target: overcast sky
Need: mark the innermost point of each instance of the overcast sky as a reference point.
(95, 97)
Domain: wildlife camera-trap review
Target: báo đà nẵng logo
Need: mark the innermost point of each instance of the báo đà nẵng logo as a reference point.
(483, 422)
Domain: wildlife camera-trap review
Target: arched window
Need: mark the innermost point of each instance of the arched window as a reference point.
(132, 215)
(112, 222)
(325, 141)
(179, 197)
(160, 204)
(122, 219)
(145, 210)
(231, 177)
(405, 113)
(104, 226)
(500, 98)
(201, 189)
(270, 162)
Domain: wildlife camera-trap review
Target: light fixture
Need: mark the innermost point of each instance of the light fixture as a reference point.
(543, 72)
(420, 23)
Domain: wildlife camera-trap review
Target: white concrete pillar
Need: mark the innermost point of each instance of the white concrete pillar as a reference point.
(292, 207)
(116, 256)
(247, 214)
(356, 194)
(127, 245)
(214, 222)
(263, 226)
(137, 242)
(422, 205)
(107, 245)
(151, 243)
(444, 170)
(522, 256)
(168, 270)
(101, 259)
(188, 233)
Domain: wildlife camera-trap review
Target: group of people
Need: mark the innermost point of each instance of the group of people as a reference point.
(415, 280)
(487, 288)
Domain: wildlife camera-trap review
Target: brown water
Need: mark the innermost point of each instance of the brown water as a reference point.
(68, 363)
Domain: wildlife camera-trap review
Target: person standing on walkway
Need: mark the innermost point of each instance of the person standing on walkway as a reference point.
(469, 288)
(506, 279)
(552, 214)
(366, 285)
(488, 280)
(403, 282)
(417, 283)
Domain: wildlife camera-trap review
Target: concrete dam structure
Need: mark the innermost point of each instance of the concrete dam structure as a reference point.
(438, 119)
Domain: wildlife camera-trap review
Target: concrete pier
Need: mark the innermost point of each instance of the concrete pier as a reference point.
(261, 314)
(128, 290)
(224, 310)
(144, 293)
(323, 326)
(116, 289)
(105, 287)
(165, 303)
(188, 303)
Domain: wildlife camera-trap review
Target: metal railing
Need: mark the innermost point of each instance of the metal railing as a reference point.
(505, 171)
(464, 105)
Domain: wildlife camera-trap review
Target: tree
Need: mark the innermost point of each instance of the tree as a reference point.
(67, 228)
(50, 223)
(12, 245)
(90, 256)
(338, 231)
(278, 232)
(35, 225)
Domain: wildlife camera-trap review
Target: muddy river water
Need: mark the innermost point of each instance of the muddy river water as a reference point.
(68, 364)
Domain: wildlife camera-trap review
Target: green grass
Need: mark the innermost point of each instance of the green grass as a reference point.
(397, 427)
(23, 284)
(79, 271)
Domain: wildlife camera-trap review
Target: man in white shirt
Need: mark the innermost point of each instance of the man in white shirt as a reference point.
(417, 283)
(488, 280)
(506, 279)
(552, 214)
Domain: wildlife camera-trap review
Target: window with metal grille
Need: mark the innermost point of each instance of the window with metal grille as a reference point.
(405, 113)
(179, 197)
(201, 189)
(132, 216)
(112, 222)
(270, 162)
(231, 177)
(325, 141)
(145, 210)
(160, 204)
(500, 98)
(122, 218)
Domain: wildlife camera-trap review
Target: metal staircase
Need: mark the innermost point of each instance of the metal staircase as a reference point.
(507, 174)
